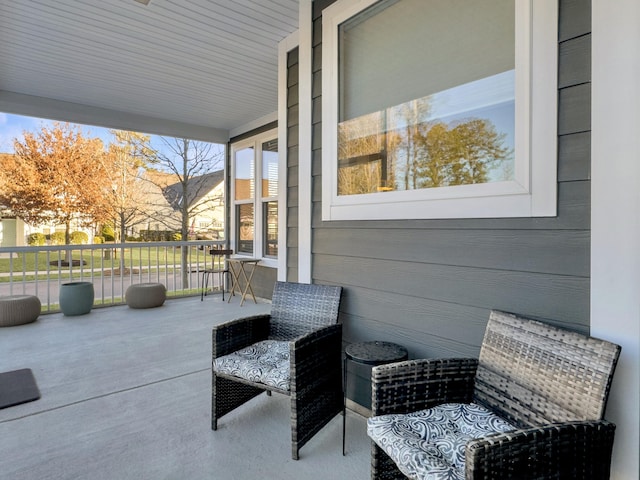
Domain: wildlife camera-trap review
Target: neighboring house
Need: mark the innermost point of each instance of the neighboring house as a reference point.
(156, 214)
(558, 239)
(160, 211)
(205, 197)
(14, 232)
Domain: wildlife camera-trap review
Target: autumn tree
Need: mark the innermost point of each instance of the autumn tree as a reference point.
(56, 176)
(460, 153)
(126, 159)
(189, 162)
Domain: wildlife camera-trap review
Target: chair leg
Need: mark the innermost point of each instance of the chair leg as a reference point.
(205, 285)
(227, 395)
(214, 417)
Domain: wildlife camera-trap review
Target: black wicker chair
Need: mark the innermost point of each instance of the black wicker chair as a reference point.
(295, 350)
(551, 385)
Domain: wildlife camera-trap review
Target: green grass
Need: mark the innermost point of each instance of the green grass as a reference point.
(134, 258)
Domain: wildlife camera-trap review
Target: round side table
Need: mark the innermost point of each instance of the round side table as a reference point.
(368, 354)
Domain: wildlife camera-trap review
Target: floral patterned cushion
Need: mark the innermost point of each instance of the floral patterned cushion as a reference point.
(264, 362)
(430, 444)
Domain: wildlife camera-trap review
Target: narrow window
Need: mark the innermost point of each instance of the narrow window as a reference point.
(255, 213)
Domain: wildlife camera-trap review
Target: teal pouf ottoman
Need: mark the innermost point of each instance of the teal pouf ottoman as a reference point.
(76, 298)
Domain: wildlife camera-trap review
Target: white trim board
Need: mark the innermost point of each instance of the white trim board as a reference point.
(615, 217)
(305, 142)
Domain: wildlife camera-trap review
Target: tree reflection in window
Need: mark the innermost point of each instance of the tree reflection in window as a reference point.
(408, 147)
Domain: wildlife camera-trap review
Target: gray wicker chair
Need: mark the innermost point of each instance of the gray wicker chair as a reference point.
(295, 350)
(551, 385)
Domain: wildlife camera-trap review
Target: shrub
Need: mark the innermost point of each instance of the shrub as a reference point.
(107, 233)
(36, 239)
(56, 238)
(79, 238)
(176, 237)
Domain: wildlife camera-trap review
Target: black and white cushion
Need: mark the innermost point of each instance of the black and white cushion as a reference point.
(430, 444)
(264, 362)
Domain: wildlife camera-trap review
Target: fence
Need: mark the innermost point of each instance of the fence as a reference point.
(111, 268)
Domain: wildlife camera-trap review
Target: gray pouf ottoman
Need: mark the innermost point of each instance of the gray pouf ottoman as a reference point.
(19, 309)
(146, 295)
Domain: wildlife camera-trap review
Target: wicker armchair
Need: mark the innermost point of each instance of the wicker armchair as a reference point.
(295, 350)
(548, 385)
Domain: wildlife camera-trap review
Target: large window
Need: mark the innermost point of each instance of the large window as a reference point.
(255, 213)
(439, 109)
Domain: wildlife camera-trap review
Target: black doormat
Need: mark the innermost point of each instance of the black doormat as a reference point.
(16, 387)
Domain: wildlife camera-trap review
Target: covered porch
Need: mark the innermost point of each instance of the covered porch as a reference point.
(226, 70)
(126, 394)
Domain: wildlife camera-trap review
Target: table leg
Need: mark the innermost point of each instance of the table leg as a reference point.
(247, 286)
(344, 403)
(234, 281)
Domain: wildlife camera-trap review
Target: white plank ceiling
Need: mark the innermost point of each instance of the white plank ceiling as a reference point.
(207, 63)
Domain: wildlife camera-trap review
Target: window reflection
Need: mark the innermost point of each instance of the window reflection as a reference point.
(460, 136)
(245, 228)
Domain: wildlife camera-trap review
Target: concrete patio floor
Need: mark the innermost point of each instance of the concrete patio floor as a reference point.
(126, 395)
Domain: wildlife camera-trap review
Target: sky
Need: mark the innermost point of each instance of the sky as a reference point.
(13, 126)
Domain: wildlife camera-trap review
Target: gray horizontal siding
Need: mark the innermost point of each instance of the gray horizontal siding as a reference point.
(291, 248)
(524, 251)
(575, 18)
(429, 284)
(574, 62)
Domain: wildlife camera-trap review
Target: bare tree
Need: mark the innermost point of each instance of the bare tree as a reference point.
(127, 157)
(189, 162)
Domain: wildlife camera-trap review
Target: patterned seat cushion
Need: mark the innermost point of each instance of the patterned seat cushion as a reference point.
(430, 444)
(263, 362)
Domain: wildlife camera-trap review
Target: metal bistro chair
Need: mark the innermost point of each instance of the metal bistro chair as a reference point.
(295, 350)
(531, 407)
(219, 266)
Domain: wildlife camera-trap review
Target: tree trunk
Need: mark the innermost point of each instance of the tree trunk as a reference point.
(123, 238)
(67, 240)
(184, 251)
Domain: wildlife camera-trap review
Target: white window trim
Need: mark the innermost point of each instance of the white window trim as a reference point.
(254, 142)
(533, 192)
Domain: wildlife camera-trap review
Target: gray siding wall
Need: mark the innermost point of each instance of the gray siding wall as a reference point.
(292, 166)
(429, 284)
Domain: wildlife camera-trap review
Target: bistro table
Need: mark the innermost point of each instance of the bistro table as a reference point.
(237, 268)
(369, 354)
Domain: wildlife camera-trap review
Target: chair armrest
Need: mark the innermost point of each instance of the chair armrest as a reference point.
(576, 450)
(236, 334)
(412, 385)
(313, 354)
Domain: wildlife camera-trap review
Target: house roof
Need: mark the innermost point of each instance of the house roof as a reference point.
(203, 67)
(197, 188)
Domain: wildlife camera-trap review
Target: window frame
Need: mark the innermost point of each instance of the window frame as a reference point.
(532, 193)
(258, 199)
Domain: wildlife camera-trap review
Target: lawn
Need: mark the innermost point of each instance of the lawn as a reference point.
(25, 264)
